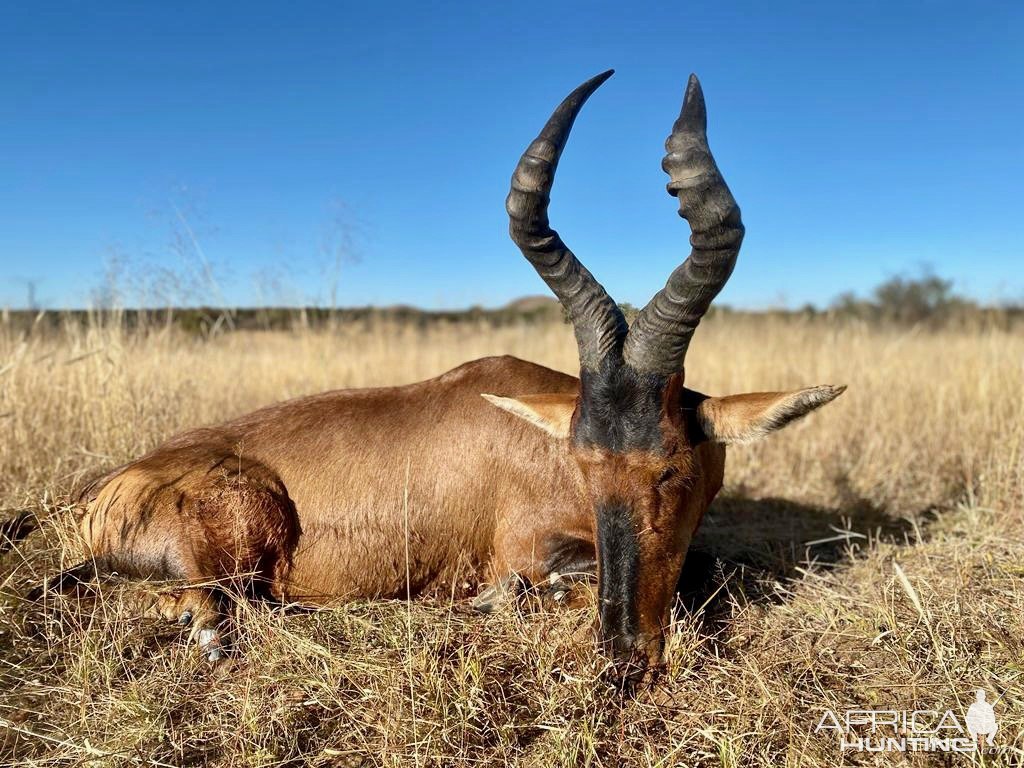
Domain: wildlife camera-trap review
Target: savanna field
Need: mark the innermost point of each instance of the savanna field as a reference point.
(870, 556)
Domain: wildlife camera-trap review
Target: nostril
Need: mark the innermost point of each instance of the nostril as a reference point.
(620, 648)
(629, 662)
(629, 648)
(624, 646)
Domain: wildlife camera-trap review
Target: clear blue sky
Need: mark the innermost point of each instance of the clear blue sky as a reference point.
(860, 139)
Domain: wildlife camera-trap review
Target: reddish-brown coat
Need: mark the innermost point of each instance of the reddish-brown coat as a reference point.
(328, 485)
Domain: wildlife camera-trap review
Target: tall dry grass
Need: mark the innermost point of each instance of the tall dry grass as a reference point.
(796, 602)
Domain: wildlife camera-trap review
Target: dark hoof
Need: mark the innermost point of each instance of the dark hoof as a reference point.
(505, 591)
(488, 600)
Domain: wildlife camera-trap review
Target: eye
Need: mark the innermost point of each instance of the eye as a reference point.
(667, 475)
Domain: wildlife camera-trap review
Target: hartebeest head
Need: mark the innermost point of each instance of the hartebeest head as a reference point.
(633, 429)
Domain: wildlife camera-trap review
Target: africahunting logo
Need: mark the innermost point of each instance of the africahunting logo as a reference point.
(919, 730)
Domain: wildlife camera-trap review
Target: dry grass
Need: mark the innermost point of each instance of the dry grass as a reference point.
(920, 465)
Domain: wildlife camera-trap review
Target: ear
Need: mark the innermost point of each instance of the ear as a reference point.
(552, 413)
(743, 418)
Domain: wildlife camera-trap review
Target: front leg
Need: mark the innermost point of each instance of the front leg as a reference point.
(571, 566)
(549, 561)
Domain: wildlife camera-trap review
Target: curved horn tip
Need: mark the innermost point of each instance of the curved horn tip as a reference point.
(595, 82)
(560, 123)
(694, 114)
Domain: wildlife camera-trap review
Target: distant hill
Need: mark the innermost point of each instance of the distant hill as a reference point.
(530, 304)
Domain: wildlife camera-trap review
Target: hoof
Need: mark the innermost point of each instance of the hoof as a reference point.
(500, 594)
(572, 590)
(185, 618)
(210, 644)
(488, 600)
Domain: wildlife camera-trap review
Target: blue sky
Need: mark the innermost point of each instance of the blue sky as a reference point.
(232, 151)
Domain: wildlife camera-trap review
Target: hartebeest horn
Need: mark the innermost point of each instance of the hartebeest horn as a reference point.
(661, 333)
(596, 318)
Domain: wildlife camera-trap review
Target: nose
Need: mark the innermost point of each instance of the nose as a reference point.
(620, 647)
(630, 655)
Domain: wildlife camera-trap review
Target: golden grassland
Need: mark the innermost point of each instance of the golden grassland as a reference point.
(870, 556)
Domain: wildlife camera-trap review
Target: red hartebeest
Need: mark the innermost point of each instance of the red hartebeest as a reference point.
(520, 471)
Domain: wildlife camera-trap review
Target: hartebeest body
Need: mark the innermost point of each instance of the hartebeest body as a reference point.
(510, 470)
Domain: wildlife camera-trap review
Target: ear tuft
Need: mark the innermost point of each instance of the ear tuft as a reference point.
(552, 413)
(743, 418)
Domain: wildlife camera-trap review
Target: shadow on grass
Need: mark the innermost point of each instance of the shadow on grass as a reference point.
(758, 544)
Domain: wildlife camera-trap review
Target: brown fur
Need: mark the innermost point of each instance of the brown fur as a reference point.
(328, 485)
(320, 499)
(312, 495)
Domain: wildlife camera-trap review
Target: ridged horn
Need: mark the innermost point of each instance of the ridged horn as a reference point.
(660, 335)
(596, 318)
